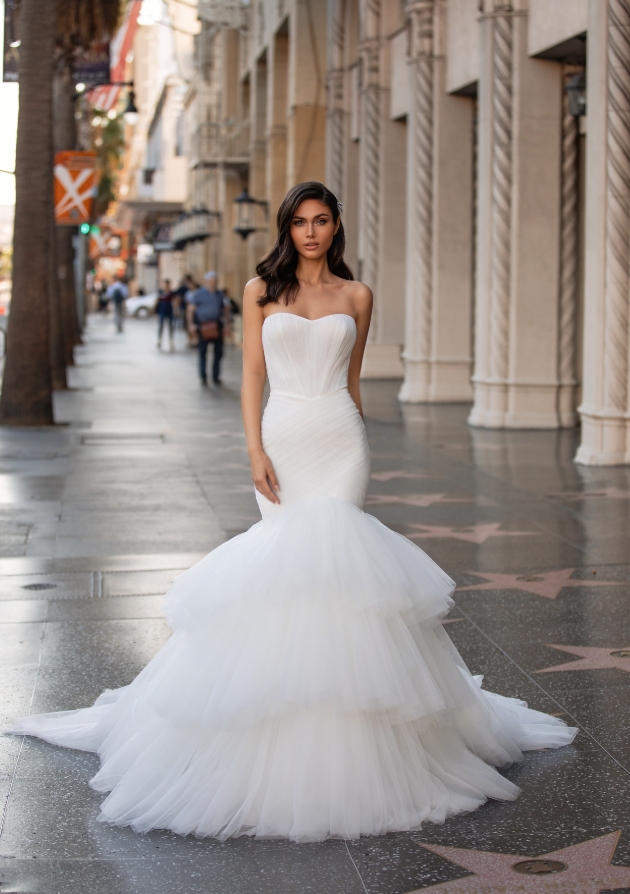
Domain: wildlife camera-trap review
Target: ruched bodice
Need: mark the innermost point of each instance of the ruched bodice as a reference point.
(308, 357)
(311, 429)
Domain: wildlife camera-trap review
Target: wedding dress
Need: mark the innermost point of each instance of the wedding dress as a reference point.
(309, 689)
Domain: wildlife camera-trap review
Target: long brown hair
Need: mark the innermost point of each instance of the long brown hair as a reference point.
(278, 267)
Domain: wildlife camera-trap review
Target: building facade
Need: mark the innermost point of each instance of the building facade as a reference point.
(481, 150)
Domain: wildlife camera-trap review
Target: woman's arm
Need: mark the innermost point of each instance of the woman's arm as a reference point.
(363, 308)
(254, 378)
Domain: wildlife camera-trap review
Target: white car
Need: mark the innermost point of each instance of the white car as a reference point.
(141, 306)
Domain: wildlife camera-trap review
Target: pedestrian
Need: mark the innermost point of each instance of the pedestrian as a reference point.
(204, 316)
(166, 297)
(187, 289)
(100, 290)
(117, 293)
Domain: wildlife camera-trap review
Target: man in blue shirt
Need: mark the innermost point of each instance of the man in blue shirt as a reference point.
(207, 307)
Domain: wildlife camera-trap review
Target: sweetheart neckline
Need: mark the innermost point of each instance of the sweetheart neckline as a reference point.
(284, 313)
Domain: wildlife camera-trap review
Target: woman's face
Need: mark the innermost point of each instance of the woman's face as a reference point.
(312, 229)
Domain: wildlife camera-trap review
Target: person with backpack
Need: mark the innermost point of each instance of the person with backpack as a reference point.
(117, 293)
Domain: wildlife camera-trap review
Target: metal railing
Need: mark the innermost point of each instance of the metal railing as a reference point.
(215, 143)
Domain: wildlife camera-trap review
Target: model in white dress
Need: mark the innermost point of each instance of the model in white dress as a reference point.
(309, 689)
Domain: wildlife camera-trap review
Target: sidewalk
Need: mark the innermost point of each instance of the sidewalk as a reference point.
(148, 471)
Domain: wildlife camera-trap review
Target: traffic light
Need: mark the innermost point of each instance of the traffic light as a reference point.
(84, 228)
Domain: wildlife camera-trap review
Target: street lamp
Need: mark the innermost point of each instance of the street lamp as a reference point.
(245, 208)
(131, 114)
(576, 93)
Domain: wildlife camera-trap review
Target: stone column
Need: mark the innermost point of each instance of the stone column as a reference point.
(277, 126)
(370, 152)
(438, 293)
(518, 296)
(605, 409)
(335, 105)
(569, 257)
(419, 280)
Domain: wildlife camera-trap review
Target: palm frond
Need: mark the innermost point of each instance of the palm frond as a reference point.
(81, 23)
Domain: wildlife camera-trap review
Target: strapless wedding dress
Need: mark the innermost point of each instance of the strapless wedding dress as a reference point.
(309, 689)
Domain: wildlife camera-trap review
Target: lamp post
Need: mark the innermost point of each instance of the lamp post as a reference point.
(245, 213)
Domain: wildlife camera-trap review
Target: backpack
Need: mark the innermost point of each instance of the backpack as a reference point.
(118, 295)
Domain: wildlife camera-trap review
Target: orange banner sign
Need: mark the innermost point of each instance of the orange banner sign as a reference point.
(75, 186)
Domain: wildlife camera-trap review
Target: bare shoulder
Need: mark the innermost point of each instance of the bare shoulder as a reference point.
(362, 298)
(254, 290)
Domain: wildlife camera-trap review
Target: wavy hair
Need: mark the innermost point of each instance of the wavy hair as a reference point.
(278, 267)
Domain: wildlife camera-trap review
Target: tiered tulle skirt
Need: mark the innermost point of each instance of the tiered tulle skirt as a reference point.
(308, 691)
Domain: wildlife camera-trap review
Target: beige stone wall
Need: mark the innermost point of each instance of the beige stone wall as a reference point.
(486, 219)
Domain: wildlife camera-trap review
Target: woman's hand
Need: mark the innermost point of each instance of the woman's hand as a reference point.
(264, 477)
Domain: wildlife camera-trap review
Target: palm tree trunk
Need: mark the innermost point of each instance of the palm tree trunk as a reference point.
(26, 393)
(65, 137)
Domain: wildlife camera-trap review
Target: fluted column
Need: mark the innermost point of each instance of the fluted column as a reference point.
(492, 354)
(419, 274)
(438, 287)
(605, 410)
(370, 153)
(335, 106)
(569, 255)
(526, 242)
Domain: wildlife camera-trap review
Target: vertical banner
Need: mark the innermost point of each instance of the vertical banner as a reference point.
(11, 48)
(75, 187)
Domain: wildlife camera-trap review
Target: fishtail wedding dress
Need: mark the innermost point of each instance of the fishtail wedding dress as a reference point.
(309, 689)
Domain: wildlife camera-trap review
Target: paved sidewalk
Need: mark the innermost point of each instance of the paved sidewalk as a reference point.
(149, 471)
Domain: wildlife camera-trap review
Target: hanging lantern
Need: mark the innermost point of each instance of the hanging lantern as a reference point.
(246, 206)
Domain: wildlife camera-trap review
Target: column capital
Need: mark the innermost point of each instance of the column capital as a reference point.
(420, 14)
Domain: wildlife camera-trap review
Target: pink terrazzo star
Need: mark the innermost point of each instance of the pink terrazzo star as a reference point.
(588, 870)
(471, 533)
(607, 493)
(422, 500)
(547, 583)
(397, 473)
(590, 659)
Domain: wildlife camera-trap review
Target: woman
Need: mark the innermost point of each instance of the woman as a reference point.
(309, 689)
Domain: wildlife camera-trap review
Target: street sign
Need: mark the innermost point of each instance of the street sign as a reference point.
(91, 66)
(75, 186)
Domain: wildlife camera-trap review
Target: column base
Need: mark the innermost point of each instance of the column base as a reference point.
(522, 405)
(436, 381)
(382, 362)
(605, 439)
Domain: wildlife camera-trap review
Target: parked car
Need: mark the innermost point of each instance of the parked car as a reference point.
(141, 306)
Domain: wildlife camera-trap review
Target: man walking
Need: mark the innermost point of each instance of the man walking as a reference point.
(204, 315)
(117, 293)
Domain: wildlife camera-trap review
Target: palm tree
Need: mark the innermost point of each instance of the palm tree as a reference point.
(39, 320)
(79, 24)
(27, 393)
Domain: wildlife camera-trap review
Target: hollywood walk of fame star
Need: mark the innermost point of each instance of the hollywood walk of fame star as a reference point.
(607, 493)
(547, 583)
(590, 658)
(422, 500)
(588, 870)
(471, 533)
(397, 473)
